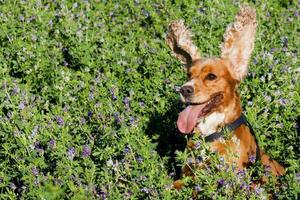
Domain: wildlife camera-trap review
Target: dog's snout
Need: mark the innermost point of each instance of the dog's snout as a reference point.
(187, 91)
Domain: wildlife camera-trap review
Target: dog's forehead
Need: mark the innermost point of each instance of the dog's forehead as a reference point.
(214, 65)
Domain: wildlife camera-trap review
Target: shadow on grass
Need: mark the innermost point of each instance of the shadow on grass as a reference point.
(169, 139)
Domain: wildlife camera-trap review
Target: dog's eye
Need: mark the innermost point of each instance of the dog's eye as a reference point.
(210, 77)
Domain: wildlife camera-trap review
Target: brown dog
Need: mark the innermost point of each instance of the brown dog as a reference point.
(211, 91)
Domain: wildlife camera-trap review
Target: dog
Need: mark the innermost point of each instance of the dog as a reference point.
(211, 94)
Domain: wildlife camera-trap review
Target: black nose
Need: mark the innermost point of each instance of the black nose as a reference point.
(187, 91)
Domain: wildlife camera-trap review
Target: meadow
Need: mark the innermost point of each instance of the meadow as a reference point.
(89, 99)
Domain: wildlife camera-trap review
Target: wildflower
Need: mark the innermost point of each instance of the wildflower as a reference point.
(34, 171)
(139, 159)
(128, 193)
(103, 194)
(145, 190)
(21, 106)
(52, 144)
(267, 170)
(252, 158)
(241, 173)
(90, 114)
(117, 117)
(190, 160)
(126, 101)
(82, 121)
(131, 120)
(113, 95)
(128, 70)
(172, 174)
(13, 186)
(34, 131)
(221, 182)
(91, 96)
(126, 150)
(71, 153)
(86, 152)
(142, 104)
(197, 145)
(298, 177)
(60, 121)
(15, 90)
(110, 162)
(197, 188)
(257, 190)
(283, 101)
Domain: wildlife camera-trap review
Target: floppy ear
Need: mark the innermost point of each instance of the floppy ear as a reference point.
(239, 41)
(181, 44)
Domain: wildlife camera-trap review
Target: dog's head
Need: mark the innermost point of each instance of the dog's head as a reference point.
(212, 81)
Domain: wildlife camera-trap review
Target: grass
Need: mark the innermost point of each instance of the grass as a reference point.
(88, 99)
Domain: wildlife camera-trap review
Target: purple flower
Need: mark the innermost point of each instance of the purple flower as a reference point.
(15, 90)
(197, 145)
(241, 173)
(139, 159)
(197, 188)
(128, 70)
(126, 150)
(52, 144)
(283, 101)
(103, 194)
(71, 153)
(257, 190)
(252, 158)
(126, 101)
(82, 121)
(86, 151)
(34, 171)
(21, 106)
(13, 186)
(221, 182)
(117, 117)
(131, 120)
(60, 121)
(190, 160)
(142, 104)
(113, 95)
(90, 114)
(145, 190)
(91, 96)
(267, 170)
(298, 177)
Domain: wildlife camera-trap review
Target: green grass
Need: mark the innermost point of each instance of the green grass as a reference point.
(88, 103)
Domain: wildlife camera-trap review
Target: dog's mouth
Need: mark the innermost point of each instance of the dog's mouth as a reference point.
(189, 117)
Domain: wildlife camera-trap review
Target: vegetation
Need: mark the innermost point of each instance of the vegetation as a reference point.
(89, 102)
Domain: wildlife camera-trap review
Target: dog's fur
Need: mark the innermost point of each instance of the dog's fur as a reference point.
(209, 77)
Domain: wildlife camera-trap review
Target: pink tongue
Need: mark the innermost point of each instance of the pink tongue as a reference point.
(188, 118)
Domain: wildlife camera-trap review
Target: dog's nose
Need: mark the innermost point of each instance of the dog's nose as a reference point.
(186, 91)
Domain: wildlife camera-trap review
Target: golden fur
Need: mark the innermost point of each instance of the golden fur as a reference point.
(230, 69)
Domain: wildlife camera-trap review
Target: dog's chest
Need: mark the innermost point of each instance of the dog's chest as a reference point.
(210, 124)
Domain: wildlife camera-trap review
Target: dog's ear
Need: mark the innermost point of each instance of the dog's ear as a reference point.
(180, 41)
(239, 41)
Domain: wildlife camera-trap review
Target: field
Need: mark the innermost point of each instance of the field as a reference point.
(89, 101)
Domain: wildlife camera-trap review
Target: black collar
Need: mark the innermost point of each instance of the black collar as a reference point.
(231, 127)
